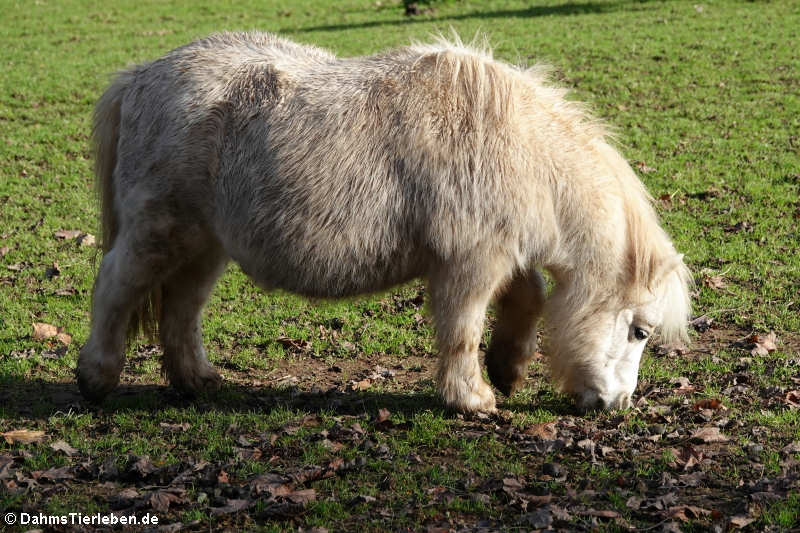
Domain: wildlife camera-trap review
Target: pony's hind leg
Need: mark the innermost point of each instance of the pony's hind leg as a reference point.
(183, 295)
(123, 281)
(459, 301)
(513, 342)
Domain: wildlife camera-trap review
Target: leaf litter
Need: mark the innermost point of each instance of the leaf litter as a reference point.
(687, 441)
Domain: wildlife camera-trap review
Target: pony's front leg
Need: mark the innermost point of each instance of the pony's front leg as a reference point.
(184, 293)
(459, 305)
(514, 339)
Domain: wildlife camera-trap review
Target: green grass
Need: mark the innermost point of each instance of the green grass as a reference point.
(706, 95)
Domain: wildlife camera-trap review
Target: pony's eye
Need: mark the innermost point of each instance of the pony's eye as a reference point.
(640, 334)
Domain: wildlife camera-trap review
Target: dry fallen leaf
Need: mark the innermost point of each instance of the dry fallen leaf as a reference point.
(685, 513)
(43, 331)
(792, 399)
(708, 403)
(62, 446)
(25, 436)
(709, 435)
(762, 344)
(383, 416)
(67, 233)
(4, 250)
(86, 239)
(741, 521)
(702, 323)
(714, 282)
(545, 431)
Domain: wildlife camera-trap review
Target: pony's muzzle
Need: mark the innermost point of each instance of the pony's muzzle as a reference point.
(592, 400)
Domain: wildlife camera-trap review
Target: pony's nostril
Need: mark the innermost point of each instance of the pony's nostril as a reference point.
(621, 401)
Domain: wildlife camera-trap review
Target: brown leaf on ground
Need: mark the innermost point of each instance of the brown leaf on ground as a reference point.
(687, 457)
(55, 474)
(67, 233)
(702, 323)
(142, 466)
(4, 250)
(716, 282)
(355, 386)
(740, 521)
(66, 291)
(792, 399)
(762, 344)
(544, 431)
(708, 403)
(683, 386)
(295, 345)
(302, 496)
(166, 426)
(708, 435)
(160, 500)
(383, 416)
(685, 513)
(43, 331)
(24, 436)
(792, 447)
(62, 446)
(86, 239)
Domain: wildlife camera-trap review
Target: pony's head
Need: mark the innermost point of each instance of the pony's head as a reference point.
(595, 352)
(632, 284)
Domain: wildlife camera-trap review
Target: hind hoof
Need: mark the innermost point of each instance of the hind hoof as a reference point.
(93, 390)
(197, 382)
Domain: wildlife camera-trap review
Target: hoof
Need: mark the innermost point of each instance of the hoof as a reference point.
(469, 396)
(505, 374)
(94, 390)
(97, 375)
(198, 382)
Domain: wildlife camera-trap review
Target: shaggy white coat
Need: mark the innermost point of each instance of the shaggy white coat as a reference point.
(332, 177)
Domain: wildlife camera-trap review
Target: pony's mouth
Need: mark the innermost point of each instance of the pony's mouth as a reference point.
(593, 400)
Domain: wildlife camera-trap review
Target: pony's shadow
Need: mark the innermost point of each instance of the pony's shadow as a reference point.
(569, 8)
(40, 399)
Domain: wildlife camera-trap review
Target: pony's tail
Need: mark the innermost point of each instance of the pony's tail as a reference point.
(105, 138)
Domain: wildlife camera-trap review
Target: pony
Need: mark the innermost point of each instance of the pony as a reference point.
(332, 177)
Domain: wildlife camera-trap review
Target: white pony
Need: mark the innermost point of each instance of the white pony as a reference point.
(333, 177)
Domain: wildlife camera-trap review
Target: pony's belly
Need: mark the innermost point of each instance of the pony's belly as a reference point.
(328, 275)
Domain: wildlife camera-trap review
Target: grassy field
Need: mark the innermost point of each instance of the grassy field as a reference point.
(328, 417)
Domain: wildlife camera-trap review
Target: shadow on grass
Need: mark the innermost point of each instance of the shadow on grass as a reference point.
(38, 398)
(564, 9)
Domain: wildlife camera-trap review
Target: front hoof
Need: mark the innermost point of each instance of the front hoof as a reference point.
(199, 382)
(469, 397)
